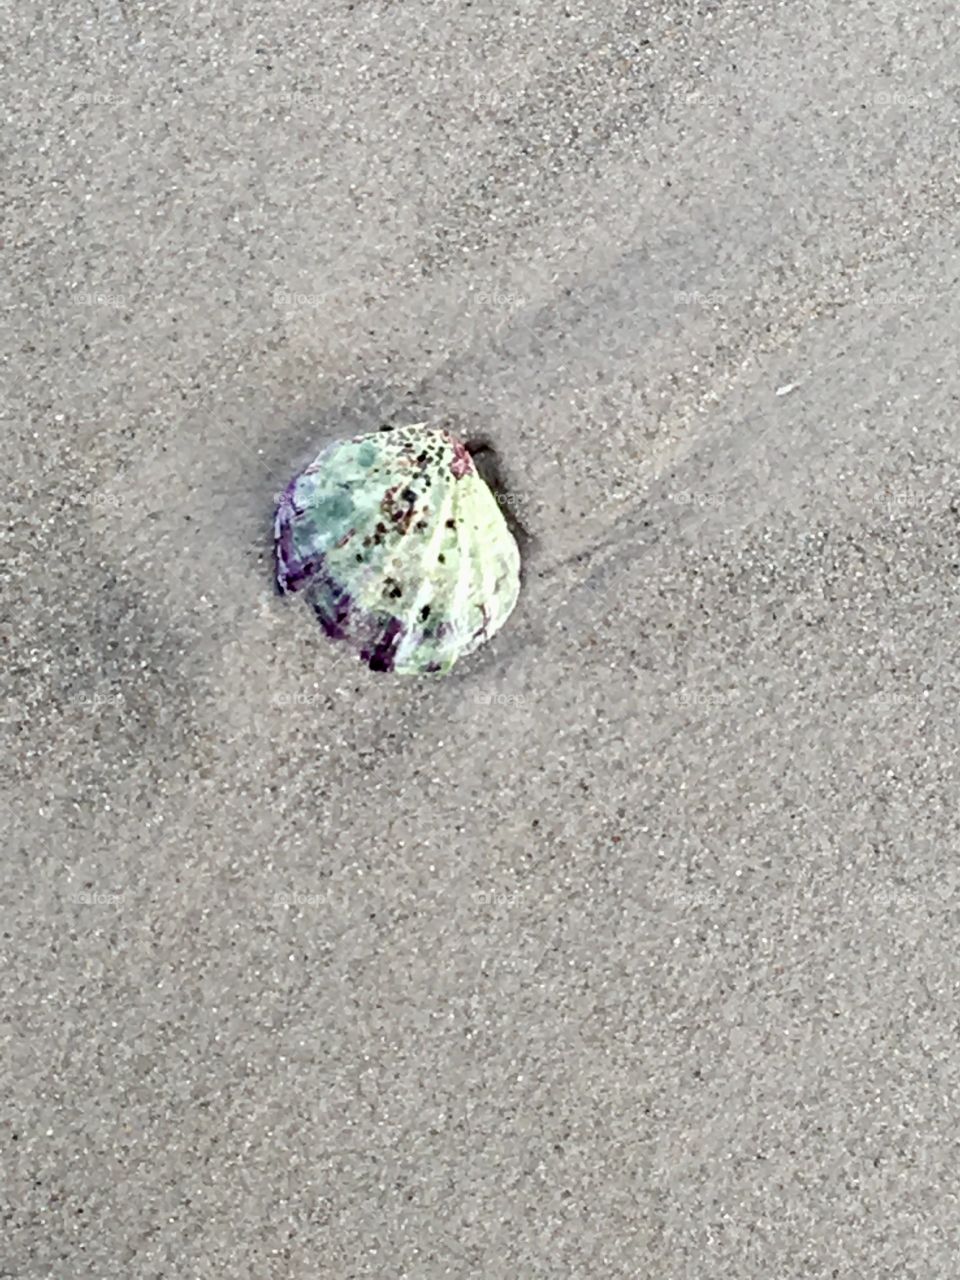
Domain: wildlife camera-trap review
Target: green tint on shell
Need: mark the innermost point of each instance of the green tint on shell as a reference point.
(401, 549)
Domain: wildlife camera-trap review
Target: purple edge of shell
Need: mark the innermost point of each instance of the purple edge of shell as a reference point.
(294, 573)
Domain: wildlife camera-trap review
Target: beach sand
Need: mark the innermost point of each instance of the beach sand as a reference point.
(629, 949)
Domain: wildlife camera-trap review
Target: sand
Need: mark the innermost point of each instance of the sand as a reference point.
(629, 950)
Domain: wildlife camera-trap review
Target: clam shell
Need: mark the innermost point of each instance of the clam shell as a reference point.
(400, 547)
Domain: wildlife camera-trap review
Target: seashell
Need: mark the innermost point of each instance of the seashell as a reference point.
(400, 547)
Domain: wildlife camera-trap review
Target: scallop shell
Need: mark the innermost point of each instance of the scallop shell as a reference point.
(400, 547)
